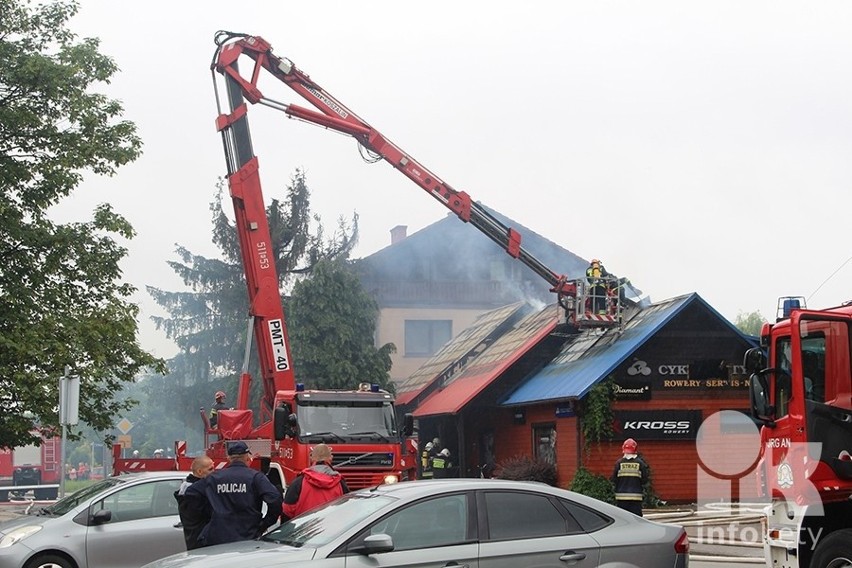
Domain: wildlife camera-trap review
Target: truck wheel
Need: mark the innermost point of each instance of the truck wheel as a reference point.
(49, 561)
(835, 551)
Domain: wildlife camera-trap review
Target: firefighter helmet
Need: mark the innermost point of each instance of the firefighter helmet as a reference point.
(219, 394)
(629, 446)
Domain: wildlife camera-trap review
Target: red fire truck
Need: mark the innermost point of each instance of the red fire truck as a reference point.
(801, 393)
(31, 468)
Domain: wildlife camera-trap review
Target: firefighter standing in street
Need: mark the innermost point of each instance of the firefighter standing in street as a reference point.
(629, 477)
(235, 496)
(219, 405)
(316, 485)
(426, 461)
(441, 464)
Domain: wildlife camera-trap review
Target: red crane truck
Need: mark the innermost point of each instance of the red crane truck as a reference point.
(801, 394)
(370, 445)
(575, 296)
(364, 434)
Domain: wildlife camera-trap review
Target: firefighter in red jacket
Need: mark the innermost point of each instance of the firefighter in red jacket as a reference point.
(316, 485)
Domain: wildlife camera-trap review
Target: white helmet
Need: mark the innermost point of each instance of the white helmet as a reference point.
(429, 446)
(445, 452)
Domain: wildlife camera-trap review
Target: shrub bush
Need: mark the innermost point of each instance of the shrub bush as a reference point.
(593, 485)
(525, 468)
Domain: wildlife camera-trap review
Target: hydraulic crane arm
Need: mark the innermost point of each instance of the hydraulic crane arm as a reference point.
(334, 115)
(258, 258)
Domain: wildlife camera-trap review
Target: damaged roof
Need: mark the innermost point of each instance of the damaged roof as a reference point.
(591, 356)
(462, 387)
(452, 357)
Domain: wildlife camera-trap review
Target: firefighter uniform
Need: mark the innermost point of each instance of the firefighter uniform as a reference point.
(629, 477)
(426, 461)
(595, 274)
(441, 464)
(235, 496)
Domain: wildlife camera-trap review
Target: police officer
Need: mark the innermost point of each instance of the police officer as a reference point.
(235, 496)
(629, 476)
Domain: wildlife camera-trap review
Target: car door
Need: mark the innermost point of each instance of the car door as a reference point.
(142, 525)
(433, 532)
(523, 528)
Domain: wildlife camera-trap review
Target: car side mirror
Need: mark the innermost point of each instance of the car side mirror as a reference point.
(761, 410)
(754, 360)
(101, 517)
(407, 425)
(374, 544)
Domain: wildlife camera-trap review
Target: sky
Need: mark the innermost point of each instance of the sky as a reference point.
(692, 146)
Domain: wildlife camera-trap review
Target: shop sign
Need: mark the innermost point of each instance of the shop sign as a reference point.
(626, 389)
(657, 424)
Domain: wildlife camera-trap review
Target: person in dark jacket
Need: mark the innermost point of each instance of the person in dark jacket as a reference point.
(193, 517)
(235, 496)
(316, 485)
(629, 476)
(441, 464)
(217, 406)
(596, 275)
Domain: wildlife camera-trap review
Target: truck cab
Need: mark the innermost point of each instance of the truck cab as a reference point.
(801, 394)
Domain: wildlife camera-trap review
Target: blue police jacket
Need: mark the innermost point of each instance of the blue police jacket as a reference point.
(236, 495)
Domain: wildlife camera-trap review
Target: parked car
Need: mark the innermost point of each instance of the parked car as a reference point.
(455, 522)
(122, 521)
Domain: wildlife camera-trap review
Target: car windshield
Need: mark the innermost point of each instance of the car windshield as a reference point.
(70, 501)
(324, 524)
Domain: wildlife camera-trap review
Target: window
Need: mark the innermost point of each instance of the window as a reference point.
(544, 443)
(435, 522)
(589, 520)
(813, 365)
(783, 378)
(523, 515)
(423, 338)
(142, 501)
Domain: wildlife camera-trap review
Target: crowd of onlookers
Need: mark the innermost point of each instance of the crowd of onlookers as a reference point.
(81, 472)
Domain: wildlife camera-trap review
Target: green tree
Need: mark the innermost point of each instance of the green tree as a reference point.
(332, 330)
(750, 323)
(208, 322)
(61, 299)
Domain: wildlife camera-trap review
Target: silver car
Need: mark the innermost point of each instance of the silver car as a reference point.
(120, 521)
(472, 523)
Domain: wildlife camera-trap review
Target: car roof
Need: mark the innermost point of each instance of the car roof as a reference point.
(142, 475)
(413, 489)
